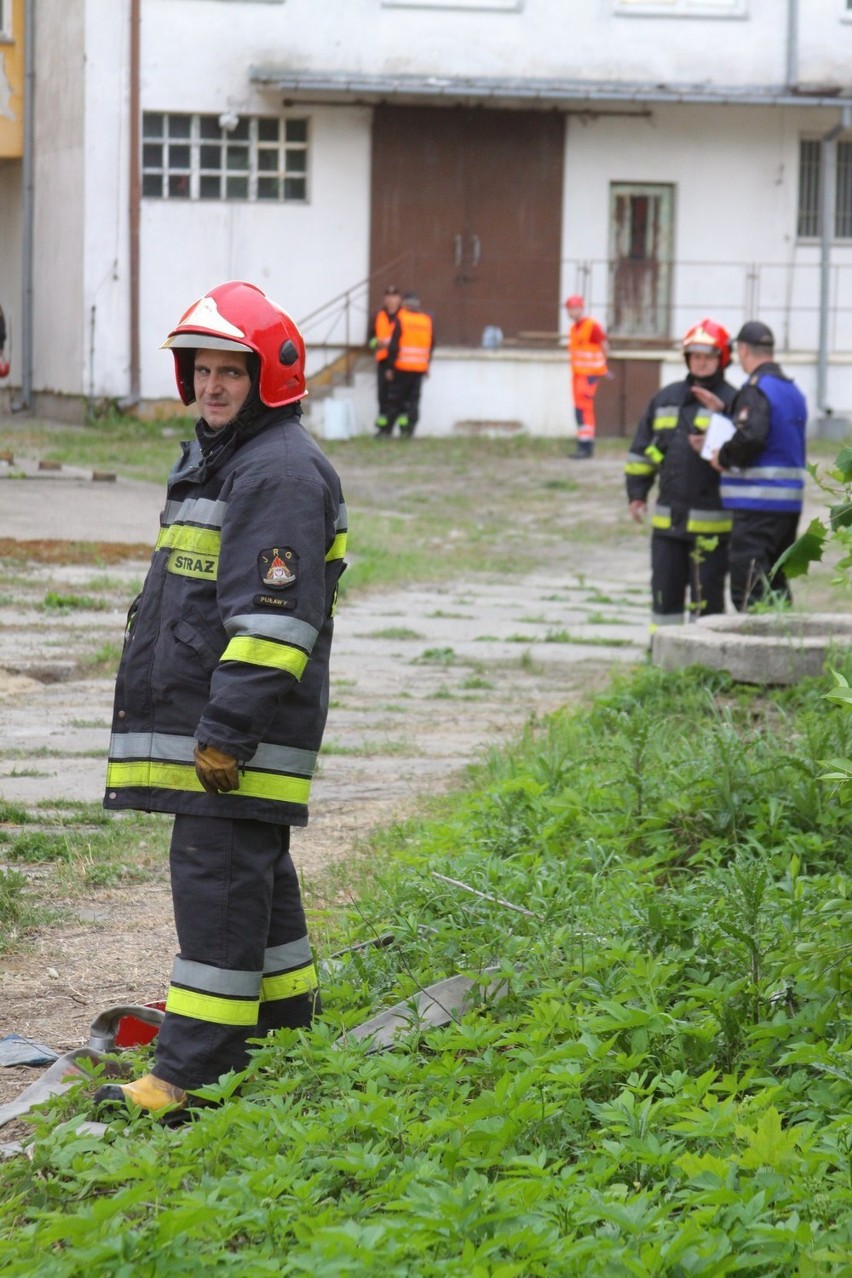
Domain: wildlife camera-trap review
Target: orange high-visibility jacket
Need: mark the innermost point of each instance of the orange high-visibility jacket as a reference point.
(382, 329)
(415, 341)
(586, 353)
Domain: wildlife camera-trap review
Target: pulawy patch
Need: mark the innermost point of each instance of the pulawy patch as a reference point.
(278, 567)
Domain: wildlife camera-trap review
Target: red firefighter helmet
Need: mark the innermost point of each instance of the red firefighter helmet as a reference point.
(709, 338)
(239, 317)
(574, 301)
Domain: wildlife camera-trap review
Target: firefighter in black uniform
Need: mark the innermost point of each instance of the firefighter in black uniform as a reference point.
(222, 690)
(666, 447)
(762, 468)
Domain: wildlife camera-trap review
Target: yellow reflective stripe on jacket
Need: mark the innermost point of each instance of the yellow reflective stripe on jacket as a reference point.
(702, 421)
(338, 548)
(212, 1008)
(661, 519)
(264, 652)
(149, 774)
(654, 455)
(664, 419)
(202, 541)
(289, 984)
(704, 522)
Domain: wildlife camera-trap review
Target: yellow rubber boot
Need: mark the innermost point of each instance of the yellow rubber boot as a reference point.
(147, 1092)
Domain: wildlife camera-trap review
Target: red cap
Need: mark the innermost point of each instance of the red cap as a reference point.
(574, 300)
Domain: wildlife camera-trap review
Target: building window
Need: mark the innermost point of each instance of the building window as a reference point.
(809, 224)
(196, 157)
(682, 8)
(5, 19)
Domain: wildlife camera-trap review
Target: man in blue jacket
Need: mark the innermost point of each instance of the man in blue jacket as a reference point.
(222, 691)
(762, 468)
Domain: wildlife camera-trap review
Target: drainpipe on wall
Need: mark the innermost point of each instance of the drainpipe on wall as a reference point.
(134, 199)
(828, 188)
(24, 401)
(792, 43)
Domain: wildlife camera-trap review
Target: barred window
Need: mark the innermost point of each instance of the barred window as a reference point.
(194, 157)
(809, 224)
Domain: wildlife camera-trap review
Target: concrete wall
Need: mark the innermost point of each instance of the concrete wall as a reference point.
(526, 387)
(566, 39)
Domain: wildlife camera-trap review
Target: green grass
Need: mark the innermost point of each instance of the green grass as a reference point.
(663, 1091)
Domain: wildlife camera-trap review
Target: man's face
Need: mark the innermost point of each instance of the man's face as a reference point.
(392, 302)
(703, 363)
(221, 381)
(575, 313)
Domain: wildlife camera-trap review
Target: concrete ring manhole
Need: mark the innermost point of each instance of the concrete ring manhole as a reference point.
(762, 648)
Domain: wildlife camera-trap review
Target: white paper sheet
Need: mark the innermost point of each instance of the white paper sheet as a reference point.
(718, 433)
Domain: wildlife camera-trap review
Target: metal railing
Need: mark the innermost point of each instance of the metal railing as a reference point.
(336, 333)
(785, 295)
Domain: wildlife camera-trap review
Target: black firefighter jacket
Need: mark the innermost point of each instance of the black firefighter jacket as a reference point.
(688, 502)
(229, 641)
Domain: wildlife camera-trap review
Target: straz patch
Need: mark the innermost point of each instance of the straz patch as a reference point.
(278, 567)
(287, 602)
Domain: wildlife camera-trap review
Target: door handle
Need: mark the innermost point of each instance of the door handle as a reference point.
(457, 251)
(475, 250)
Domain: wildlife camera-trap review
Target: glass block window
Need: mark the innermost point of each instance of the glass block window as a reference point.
(196, 157)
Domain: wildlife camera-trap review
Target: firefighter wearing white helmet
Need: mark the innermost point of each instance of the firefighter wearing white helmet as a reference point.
(222, 691)
(690, 530)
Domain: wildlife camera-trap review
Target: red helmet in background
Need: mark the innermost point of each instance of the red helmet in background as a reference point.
(574, 300)
(708, 338)
(5, 368)
(239, 317)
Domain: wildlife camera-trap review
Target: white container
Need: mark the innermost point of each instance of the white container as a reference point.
(339, 419)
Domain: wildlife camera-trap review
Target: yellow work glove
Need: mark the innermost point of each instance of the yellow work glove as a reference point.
(217, 771)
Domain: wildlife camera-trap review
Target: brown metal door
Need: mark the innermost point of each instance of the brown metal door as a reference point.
(470, 202)
(622, 399)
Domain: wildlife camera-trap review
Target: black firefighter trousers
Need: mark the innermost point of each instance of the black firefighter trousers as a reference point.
(677, 566)
(758, 539)
(239, 919)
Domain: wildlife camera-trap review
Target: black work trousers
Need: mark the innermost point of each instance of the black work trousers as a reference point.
(403, 405)
(238, 910)
(677, 567)
(758, 539)
(382, 392)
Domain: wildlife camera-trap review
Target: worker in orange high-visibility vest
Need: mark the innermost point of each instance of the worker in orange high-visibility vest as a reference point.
(381, 329)
(409, 355)
(587, 348)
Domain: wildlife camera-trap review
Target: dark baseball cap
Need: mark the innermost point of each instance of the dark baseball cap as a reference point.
(755, 333)
(391, 288)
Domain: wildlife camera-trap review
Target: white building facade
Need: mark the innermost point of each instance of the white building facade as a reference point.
(666, 158)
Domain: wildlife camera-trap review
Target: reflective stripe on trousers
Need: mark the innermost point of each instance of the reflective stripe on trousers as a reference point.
(245, 964)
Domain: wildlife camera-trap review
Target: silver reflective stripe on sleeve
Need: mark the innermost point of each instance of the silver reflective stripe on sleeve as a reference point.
(195, 510)
(285, 629)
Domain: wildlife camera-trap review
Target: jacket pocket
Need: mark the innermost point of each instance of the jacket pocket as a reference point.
(199, 640)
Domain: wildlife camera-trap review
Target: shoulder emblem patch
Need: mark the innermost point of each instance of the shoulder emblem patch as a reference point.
(278, 567)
